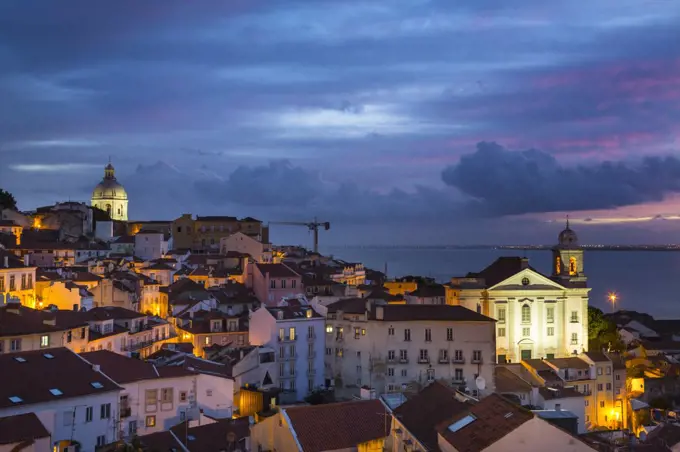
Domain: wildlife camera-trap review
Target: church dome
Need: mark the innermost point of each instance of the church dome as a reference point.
(109, 188)
(568, 237)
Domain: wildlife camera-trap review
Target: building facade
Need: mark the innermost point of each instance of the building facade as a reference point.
(110, 196)
(273, 282)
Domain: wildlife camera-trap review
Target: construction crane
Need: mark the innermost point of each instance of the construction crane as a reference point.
(312, 226)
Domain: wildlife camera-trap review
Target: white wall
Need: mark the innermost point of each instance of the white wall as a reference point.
(537, 435)
(215, 395)
(575, 405)
(52, 414)
(150, 246)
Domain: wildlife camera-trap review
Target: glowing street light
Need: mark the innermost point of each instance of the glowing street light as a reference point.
(612, 297)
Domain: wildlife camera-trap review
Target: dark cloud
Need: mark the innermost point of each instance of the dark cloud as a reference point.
(504, 182)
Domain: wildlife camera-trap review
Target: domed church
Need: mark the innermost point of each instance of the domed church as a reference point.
(110, 196)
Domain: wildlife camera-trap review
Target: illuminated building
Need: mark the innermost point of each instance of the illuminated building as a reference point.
(17, 281)
(538, 316)
(110, 196)
(205, 233)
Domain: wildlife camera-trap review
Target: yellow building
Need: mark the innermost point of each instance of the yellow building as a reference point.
(26, 329)
(207, 329)
(10, 227)
(17, 281)
(205, 233)
(400, 287)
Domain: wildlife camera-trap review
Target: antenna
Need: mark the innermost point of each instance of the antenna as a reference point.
(567, 221)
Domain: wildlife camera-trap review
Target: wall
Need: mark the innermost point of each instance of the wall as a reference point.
(39, 445)
(56, 339)
(57, 294)
(26, 294)
(150, 246)
(215, 395)
(51, 414)
(273, 433)
(243, 244)
(575, 405)
(537, 435)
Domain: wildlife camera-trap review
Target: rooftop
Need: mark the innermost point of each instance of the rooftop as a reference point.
(353, 423)
(21, 427)
(127, 370)
(569, 363)
(17, 320)
(508, 381)
(277, 270)
(294, 312)
(44, 370)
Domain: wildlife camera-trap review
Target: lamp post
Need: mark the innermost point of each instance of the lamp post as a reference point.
(613, 297)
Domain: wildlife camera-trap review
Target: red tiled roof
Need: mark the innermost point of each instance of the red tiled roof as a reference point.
(353, 423)
(569, 363)
(421, 413)
(277, 270)
(494, 417)
(127, 370)
(415, 312)
(31, 375)
(20, 428)
(500, 270)
(213, 437)
(293, 312)
(17, 320)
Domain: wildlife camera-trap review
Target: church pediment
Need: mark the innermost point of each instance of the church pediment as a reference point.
(527, 279)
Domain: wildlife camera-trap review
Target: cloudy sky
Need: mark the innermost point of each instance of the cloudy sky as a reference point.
(467, 121)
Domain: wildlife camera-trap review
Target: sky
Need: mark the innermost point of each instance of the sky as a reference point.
(408, 121)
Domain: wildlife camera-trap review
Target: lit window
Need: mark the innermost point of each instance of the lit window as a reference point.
(151, 421)
(572, 266)
(44, 341)
(501, 332)
(526, 332)
(526, 314)
(329, 329)
(551, 331)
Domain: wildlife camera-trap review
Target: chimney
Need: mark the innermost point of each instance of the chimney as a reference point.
(96, 367)
(6, 262)
(525, 263)
(379, 312)
(279, 315)
(27, 260)
(558, 407)
(241, 353)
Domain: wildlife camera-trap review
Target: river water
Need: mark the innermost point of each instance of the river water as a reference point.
(647, 281)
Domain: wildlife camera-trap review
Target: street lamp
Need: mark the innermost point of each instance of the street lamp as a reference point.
(612, 297)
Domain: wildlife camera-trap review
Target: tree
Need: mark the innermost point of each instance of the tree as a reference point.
(7, 200)
(602, 332)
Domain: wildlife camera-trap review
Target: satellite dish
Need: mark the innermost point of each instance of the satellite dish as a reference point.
(481, 383)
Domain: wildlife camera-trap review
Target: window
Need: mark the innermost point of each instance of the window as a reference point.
(329, 329)
(526, 314)
(390, 371)
(458, 356)
(272, 284)
(12, 284)
(391, 355)
(443, 355)
(609, 370)
(501, 332)
(609, 386)
(151, 399)
(449, 334)
(424, 356)
(105, 411)
(167, 395)
(501, 315)
(132, 428)
(208, 392)
(283, 283)
(101, 439)
(293, 283)
(44, 341)
(458, 375)
(291, 333)
(82, 333)
(89, 413)
(574, 338)
(476, 356)
(574, 316)
(599, 387)
(329, 351)
(403, 355)
(602, 404)
(573, 270)
(550, 315)
(526, 332)
(558, 265)
(68, 417)
(599, 371)
(23, 282)
(151, 421)
(407, 334)
(551, 331)
(357, 333)
(617, 377)
(390, 331)
(15, 345)
(339, 352)
(359, 354)
(2, 283)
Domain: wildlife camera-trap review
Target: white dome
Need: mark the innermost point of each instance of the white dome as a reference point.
(109, 188)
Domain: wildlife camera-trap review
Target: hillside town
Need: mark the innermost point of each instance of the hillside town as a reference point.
(199, 334)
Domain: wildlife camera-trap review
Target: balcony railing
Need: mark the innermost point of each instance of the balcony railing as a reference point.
(422, 360)
(403, 360)
(392, 360)
(459, 360)
(287, 376)
(311, 337)
(443, 360)
(287, 339)
(477, 360)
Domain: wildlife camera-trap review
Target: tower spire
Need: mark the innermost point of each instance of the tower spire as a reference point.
(567, 221)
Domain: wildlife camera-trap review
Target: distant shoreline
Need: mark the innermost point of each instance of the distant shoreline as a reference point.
(512, 247)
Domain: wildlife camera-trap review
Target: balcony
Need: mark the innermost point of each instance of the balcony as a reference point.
(311, 337)
(458, 360)
(422, 360)
(339, 339)
(403, 360)
(574, 320)
(283, 339)
(477, 360)
(443, 360)
(392, 360)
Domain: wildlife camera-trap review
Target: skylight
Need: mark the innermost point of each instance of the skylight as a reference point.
(15, 399)
(56, 392)
(191, 437)
(467, 420)
(48, 356)
(20, 359)
(97, 385)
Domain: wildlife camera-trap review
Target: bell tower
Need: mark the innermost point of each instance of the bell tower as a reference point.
(567, 257)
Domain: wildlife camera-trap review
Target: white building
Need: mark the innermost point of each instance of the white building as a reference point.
(297, 335)
(393, 348)
(538, 316)
(110, 196)
(75, 402)
(150, 245)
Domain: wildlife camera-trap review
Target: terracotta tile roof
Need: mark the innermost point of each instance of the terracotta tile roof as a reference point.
(294, 312)
(16, 320)
(20, 428)
(666, 434)
(276, 270)
(121, 368)
(349, 306)
(597, 357)
(418, 312)
(159, 266)
(421, 413)
(537, 364)
(494, 417)
(12, 260)
(213, 437)
(501, 269)
(569, 363)
(382, 294)
(44, 370)
(507, 381)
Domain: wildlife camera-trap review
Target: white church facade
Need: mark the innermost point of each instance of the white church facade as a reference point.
(110, 196)
(537, 316)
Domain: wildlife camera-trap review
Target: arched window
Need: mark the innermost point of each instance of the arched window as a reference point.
(526, 314)
(108, 209)
(558, 265)
(572, 266)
